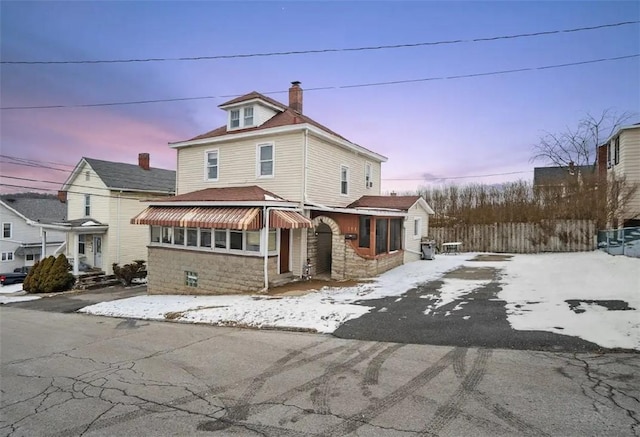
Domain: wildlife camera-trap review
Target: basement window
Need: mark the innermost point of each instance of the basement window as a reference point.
(190, 279)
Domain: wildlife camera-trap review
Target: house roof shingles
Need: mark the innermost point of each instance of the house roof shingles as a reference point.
(390, 202)
(558, 175)
(44, 209)
(118, 175)
(251, 193)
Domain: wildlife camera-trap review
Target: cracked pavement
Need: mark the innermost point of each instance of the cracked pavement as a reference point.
(78, 375)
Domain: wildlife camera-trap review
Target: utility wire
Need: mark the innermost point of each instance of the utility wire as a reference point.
(331, 50)
(434, 178)
(34, 161)
(372, 84)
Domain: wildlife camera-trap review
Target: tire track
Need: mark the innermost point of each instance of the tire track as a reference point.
(373, 369)
(507, 416)
(362, 417)
(448, 412)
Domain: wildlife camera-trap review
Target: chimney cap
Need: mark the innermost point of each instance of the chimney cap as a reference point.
(296, 83)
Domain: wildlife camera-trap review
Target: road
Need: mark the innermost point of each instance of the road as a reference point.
(73, 374)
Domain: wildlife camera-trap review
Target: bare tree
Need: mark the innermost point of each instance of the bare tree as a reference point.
(579, 145)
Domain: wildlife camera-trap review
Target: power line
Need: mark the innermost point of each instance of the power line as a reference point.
(36, 161)
(363, 85)
(25, 164)
(434, 178)
(331, 50)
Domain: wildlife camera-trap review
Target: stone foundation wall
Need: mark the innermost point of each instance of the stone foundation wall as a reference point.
(358, 267)
(217, 273)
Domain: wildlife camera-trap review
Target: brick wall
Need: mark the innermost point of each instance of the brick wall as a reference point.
(217, 273)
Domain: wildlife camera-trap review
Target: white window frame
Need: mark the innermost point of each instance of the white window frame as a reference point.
(272, 240)
(368, 175)
(244, 116)
(344, 167)
(417, 228)
(10, 228)
(616, 151)
(87, 205)
(7, 256)
(232, 119)
(259, 161)
(206, 165)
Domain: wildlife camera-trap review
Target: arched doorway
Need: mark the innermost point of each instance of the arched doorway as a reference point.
(324, 247)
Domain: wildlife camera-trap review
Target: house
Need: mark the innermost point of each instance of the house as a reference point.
(22, 242)
(259, 196)
(560, 177)
(101, 197)
(619, 159)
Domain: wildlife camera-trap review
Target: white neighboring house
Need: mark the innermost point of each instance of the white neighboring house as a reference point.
(22, 238)
(623, 161)
(101, 197)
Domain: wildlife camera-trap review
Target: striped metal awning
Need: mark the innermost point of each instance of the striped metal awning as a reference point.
(288, 220)
(200, 217)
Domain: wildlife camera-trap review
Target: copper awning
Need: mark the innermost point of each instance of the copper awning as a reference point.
(288, 220)
(200, 217)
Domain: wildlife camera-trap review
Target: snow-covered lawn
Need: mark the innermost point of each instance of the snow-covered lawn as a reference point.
(535, 288)
(14, 293)
(322, 310)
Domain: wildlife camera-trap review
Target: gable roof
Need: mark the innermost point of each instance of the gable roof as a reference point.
(251, 193)
(129, 177)
(38, 208)
(559, 174)
(286, 117)
(403, 203)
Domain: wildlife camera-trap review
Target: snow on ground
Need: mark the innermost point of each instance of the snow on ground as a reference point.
(322, 310)
(14, 293)
(536, 288)
(9, 289)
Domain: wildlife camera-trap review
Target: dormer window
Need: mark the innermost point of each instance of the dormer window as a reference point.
(234, 118)
(241, 117)
(248, 116)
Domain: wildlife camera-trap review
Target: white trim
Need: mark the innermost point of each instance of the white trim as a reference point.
(251, 101)
(284, 129)
(360, 211)
(417, 220)
(7, 255)
(259, 161)
(348, 177)
(619, 131)
(2, 237)
(206, 165)
(368, 178)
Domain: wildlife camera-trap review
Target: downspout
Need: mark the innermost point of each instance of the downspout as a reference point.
(118, 229)
(305, 241)
(265, 239)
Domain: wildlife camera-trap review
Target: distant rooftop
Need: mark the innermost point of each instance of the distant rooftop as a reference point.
(43, 208)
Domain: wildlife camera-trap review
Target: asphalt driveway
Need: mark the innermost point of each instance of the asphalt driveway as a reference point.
(476, 319)
(71, 302)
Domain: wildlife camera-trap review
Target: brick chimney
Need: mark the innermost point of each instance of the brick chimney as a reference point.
(295, 97)
(143, 160)
(62, 196)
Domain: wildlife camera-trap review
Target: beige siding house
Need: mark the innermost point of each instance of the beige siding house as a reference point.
(101, 197)
(265, 195)
(623, 162)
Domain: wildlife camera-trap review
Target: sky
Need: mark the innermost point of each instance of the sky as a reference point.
(441, 131)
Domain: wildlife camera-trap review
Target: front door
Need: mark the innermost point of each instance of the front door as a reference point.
(97, 252)
(284, 250)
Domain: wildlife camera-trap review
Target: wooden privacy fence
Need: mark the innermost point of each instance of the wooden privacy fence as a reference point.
(545, 236)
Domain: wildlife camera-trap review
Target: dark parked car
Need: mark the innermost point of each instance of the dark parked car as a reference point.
(15, 277)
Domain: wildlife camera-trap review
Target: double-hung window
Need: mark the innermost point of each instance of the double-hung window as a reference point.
(87, 205)
(616, 151)
(81, 244)
(234, 118)
(7, 230)
(212, 165)
(248, 116)
(344, 179)
(265, 160)
(368, 183)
